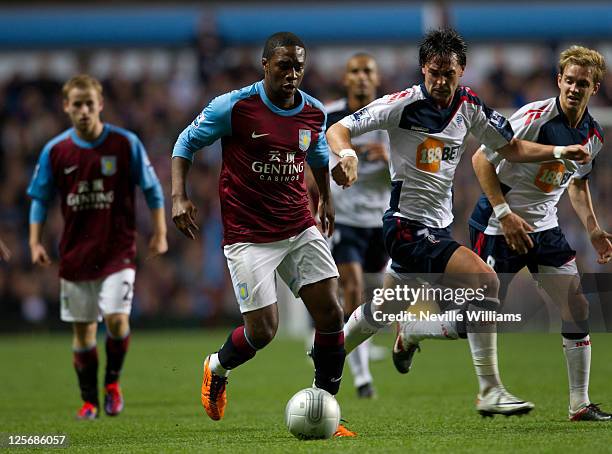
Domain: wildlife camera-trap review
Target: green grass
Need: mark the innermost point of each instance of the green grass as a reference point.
(431, 409)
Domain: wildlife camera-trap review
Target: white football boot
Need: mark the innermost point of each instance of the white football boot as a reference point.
(498, 401)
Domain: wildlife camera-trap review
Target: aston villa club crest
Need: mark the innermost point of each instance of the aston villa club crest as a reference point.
(243, 291)
(304, 139)
(109, 165)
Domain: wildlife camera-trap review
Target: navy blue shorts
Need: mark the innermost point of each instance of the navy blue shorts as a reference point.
(415, 248)
(362, 245)
(550, 248)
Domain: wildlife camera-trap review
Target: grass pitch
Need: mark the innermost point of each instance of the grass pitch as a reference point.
(429, 410)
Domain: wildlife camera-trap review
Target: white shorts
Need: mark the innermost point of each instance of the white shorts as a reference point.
(89, 301)
(299, 260)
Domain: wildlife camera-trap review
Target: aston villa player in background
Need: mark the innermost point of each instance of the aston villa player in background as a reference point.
(94, 168)
(268, 131)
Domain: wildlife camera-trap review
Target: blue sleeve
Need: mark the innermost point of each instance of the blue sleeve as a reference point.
(38, 211)
(319, 157)
(42, 184)
(144, 174)
(211, 124)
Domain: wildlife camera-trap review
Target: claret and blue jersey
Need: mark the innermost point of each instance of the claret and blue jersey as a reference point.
(265, 148)
(95, 181)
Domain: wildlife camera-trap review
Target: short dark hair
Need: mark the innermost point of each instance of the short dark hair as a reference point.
(281, 39)
(442, 43)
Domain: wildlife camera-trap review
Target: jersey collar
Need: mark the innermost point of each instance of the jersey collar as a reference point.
(428, 98)
(84, 144)
(582, 124)
(278, 110)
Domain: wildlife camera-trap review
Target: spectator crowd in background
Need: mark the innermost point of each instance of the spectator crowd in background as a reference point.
(191, 282)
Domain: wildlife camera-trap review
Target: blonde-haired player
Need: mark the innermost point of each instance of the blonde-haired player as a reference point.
(516, 225)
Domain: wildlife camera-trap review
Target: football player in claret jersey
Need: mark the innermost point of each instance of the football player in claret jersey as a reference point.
(515, 223)
(94, 167)
(357, 244)
(268, 131)
(428, 125)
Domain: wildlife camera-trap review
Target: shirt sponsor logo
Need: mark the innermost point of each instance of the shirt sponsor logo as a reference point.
(90, 195)
(304, 139)
(109, 165)
(281, 167)
(432, 152)
(551, 175)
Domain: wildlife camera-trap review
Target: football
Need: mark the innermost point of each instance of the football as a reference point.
(311, 414)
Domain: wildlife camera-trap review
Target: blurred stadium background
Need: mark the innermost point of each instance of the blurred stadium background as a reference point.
(161, 64)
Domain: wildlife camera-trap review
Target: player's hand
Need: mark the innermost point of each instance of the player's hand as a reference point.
(158, 245)
(183, 215)
(374, 151)
(345, 172)
(5, 252)
(600, 240)
(516, 233)
(39, 255)
(327, 215)
(577, 153)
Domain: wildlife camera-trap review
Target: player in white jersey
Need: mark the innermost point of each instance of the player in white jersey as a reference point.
(515, 224)
(428, 125)
(357, 244)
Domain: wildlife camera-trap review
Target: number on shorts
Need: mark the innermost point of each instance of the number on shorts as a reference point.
(129, 291)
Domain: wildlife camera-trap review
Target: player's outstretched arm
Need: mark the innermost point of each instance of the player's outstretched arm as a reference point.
(515, 228)
(580, 196)
(158, 244)
(339, 141)
(326, 205)
(524, 151)
(183, 210)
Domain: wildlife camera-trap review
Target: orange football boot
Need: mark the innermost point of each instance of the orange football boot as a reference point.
(342, 431)
(213, 394)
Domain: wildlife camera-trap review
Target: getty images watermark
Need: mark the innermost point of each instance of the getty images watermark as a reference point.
(408, 296)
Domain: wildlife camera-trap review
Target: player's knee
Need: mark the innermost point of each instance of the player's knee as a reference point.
(262, 334)
(489, 283)
(578, 307)
(118, 325)
(84, 334)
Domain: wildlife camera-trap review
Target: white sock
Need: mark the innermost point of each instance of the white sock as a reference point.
(416, 331)
(216, 367)
(358, 329)
(484, 356)
(578, 357)
(359, 362)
